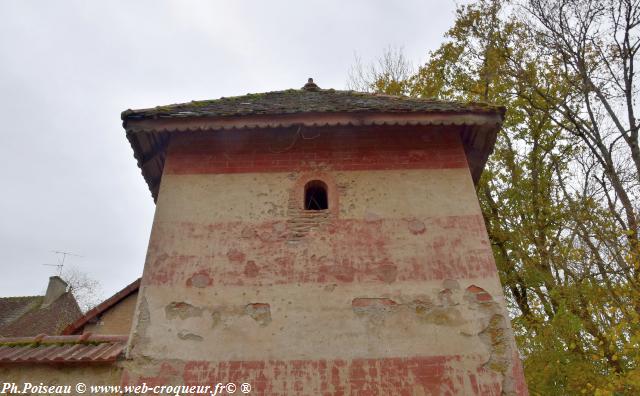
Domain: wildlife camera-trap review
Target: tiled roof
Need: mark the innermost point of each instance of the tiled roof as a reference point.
(25, 316)
(296, 101)
(105, 305)
(11, 308)
(62, 349)
(150, 130)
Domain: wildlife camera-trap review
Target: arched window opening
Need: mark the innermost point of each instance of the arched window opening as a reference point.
(315, 196)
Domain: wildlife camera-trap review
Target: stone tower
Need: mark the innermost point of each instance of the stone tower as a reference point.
(314, 241)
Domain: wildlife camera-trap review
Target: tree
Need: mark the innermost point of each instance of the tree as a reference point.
(390, 74)
(559, 194)
(87, 291)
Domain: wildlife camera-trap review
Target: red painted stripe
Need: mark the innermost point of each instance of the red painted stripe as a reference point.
(243, 152)
(453, 247)
(432, 375)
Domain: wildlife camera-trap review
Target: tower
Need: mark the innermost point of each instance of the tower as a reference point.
(315, 241)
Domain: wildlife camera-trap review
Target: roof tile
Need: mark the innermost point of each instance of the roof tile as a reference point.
(295, 101)
(37, 319)
(62, 349)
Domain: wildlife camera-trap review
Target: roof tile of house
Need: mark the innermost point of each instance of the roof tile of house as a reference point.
(25, 316)
(11, 308)
(307, 100)
(84, 348)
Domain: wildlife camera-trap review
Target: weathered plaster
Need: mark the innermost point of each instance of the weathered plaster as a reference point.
(395, 278)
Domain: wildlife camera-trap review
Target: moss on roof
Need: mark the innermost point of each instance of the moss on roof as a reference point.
(25, 316)
(294, 101)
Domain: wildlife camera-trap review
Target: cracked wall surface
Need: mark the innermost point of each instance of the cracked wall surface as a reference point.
(391, 290)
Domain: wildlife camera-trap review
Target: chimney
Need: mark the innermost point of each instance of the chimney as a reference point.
(57, 287)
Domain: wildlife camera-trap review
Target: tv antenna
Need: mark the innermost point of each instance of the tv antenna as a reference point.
(61, 260)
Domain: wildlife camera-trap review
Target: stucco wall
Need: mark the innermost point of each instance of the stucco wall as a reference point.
(392, 290)
(116, 320)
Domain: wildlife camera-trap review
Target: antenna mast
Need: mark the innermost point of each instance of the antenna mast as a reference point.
(61, 261)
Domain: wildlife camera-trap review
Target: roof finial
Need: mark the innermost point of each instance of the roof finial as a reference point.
(311, 86)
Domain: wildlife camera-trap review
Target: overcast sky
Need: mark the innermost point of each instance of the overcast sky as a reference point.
(69, 181)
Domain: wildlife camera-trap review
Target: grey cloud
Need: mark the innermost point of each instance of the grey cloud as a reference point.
(68, 68)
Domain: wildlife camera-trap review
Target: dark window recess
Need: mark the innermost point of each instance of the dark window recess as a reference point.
(315, 196)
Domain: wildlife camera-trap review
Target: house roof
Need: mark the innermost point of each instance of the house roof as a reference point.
(26, 316)
(86, 348)
(102, 307)
(11, 308)
(149, 130)
(295, 101)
